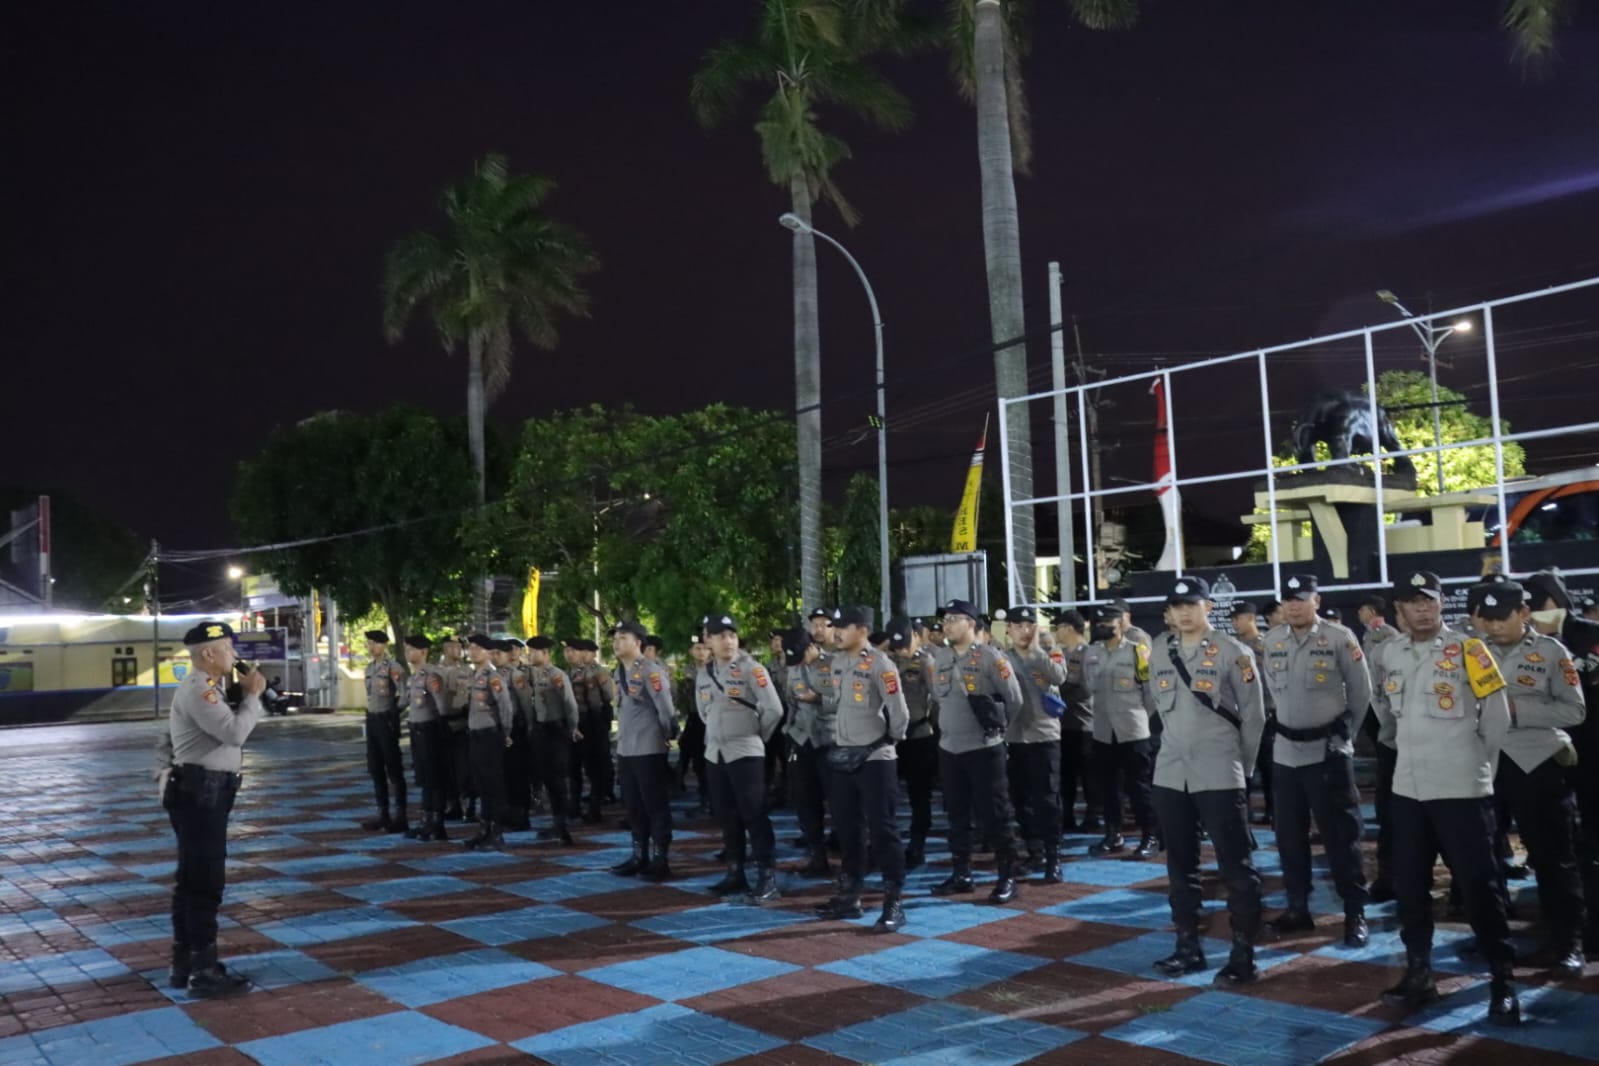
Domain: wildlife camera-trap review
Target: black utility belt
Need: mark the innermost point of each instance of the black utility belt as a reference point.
(200, 776)
(1338, 727)
(486, 729)
(384, 714)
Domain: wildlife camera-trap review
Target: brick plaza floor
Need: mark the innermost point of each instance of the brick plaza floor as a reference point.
(374, 949)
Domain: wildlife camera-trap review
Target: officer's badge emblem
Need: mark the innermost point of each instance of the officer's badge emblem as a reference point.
(890, 682)
(1534, 657)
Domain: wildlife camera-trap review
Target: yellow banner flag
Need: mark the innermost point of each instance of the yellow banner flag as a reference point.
(530, 604)
(963, 538)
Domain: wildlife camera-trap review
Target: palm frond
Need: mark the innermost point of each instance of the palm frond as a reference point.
(722, 76)
(1532, 25)
(1105, 14)
(856, 88)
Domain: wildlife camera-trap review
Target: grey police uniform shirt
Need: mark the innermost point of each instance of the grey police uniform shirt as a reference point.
(1079, 717)
(457, 686)
(1545, 698)
(1201, 751)
(982, 671)
(915, 678)
(813, 698)
(425, 695)
(738, 702)
(1314, 677)
(1115, 679)
(593, 687)
(871, 702)
(1037, 672)
(644, 713)
(205, 731)
(489, 706)
(385, 682)
(552, 698)
(1448, 733)
(1258, 646)
(1375, 637)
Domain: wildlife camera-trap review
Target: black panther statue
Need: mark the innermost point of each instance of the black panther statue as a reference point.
(1343, 420)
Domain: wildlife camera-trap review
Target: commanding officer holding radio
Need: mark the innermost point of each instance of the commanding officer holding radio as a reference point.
(1443, 697)
(1203, 684)
(1545, 700)
(1317, 675)
(976, 691)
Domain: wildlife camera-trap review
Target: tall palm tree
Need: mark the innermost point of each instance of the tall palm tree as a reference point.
(805, 53)
(499, 268)
(1532, 25)
(986, 62)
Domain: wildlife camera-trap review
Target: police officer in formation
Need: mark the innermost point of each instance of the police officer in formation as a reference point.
(976, 689)
(871, 719)
(1317, 675)
(202, 754)
(426, 701)
(813, 705)
(554, 727)
(1076, 730)
(1113, 672)
(1545, 700)
(1443, 697)
(737, 700)
(595, 692)
(521, 780)
(777, 746)
(918, 752)
(457, 674)
(646, 722)
(1203, 684)
(1553, 613)
(385, 687)
(1378, 632)
(1033, 741)
(489, 716)
(1246, 627)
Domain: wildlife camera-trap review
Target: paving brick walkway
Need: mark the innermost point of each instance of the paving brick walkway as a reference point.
(374, 949)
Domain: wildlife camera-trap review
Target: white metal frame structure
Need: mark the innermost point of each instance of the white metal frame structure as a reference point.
(1497, 439)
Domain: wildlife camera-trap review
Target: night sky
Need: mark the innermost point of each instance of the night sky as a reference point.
(200, 199)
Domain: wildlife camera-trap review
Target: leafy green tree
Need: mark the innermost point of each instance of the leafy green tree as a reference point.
(988, 39)
(1407, 396)
(500, 268)
(858, 572)
(806, 54)
(91, 556)
(339, 473)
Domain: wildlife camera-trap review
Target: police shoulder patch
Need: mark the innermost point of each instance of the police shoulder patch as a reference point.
(759, 673)
(1246, 666)
(1002, 665)
(1354, 651)
(435, 683)
(1481, 669)
(890, 680)
(211, 696)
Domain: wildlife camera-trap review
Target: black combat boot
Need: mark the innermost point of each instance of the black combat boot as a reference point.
(179, 977)
(209, 979)
(473, 842)
(421, 829)
(471, 810)
(1296, 919)
(732, 882)
(959, 880)
(1187, 958)
(1052, 874)
(765, 890)
(1092, 823)
(1240, 968)
(916, 853)
(435, 830)
(659, 868)
(631, 866)
(1568, 955)
(398, 823)
(1356, 934)
(845, 903)
(1416, 988)
(1112, 843)
(1503, 1007)
(1004, 890)
(380, 822)
(892, 920)
(1147, 847)
(495, 840)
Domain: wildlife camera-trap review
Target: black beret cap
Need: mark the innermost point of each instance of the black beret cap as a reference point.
(206, 632)
(540, 643)
(481, 640)
(377, 636)
(418, 640)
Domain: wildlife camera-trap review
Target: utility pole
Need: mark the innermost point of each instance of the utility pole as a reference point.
(1092, 409)
(1063, 466)
(152, 596)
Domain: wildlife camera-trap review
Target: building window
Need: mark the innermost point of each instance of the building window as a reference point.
(124, 671)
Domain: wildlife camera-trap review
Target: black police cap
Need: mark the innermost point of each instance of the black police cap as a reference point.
(1299, 587)
(1189, 590)
(854, 615)
(630, 626)
(206, 632)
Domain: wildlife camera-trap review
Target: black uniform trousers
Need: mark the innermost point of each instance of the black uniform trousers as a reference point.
(691, 755)
(738, 795)
(488, 772)
(1387, 762)
(1224, 814)
(1546, 812)
(1034, 771)
(646, 793)
(1326, 790)
(1077, 769)
(1463, 831)
(975, 785)
(198, 802)
(1584, 781)
(1132, 764)
(1265, 767)
(383, 760)
(518, 770)
(458, 742)
(552, 753)
(807, 788)
(429, 758)
(591, 756)
(918, 765)
(776, 760)
(864, 807)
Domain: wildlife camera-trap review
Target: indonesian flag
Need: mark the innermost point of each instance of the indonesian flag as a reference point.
(1165, 487)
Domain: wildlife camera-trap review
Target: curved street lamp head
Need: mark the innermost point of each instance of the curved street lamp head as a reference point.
(1462, 325)
(789, 220)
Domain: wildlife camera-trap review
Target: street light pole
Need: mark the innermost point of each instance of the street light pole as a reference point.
(799, 225)
(1431, 338)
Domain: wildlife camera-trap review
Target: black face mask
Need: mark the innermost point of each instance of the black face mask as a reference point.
(1104, 632)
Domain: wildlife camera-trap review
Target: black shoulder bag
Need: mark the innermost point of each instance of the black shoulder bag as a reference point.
(1174, 652)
